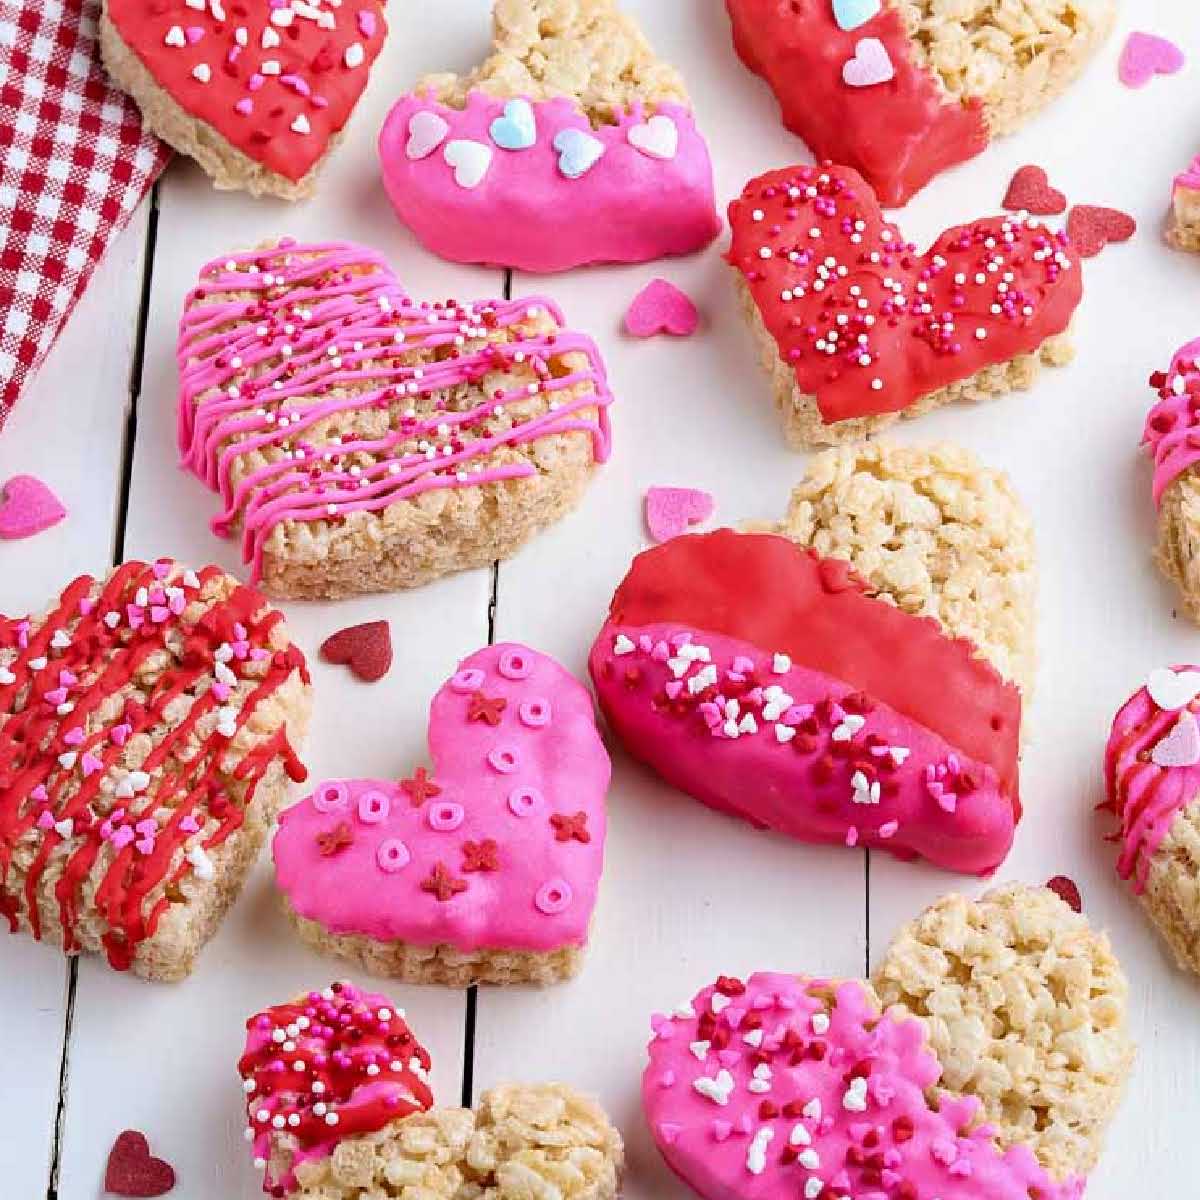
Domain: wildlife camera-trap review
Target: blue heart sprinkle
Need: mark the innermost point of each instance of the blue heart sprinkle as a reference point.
(850, 14)
(578, 152)
(516, 130)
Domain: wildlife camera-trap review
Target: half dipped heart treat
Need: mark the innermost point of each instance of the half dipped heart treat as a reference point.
(362, 440)
(857, 328)
(482, 868)
(1152, 777)
(928, 1081)
(776, 682)
(901, 90)
(256, 91)
(148, 731)
(571, 144)
(339, 1107)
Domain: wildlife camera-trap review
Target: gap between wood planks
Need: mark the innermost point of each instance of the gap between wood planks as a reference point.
(128, 442)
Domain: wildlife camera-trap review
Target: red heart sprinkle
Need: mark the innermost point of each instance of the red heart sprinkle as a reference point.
(133, 1171)
(365, 649)
(1067, 891)
(1091, 228)
(1030, 190)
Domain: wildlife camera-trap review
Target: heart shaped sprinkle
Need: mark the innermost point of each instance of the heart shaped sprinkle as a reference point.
(660, 307)
(1067, 890)
(28, 507)
(578, 152)
(669, 511)
(658, 137)
(1181, 747)
(498, 846)
(1146, 55)
(516, 129)
(426, 132)
(366, 649)
(1090, 228)
(133, 1171)
(871, 65)
(470, 161)
(1173, 690)
(853, 14)
(1030, 191)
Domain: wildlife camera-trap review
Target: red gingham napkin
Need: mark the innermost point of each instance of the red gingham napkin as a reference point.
(74, 163)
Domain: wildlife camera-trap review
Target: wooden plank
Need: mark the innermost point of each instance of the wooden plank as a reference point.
(68, 430)
(163, 1059)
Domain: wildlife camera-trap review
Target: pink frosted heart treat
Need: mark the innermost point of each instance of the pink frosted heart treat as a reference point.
(483, 868)
(28, 507)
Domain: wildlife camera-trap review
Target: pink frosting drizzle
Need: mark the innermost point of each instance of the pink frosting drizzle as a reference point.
(763, 1090)
(627, 206)
(793, 749)
(258, 372)
(1172, 433)
(1190, 177)
(500, 846)
(1142, 795)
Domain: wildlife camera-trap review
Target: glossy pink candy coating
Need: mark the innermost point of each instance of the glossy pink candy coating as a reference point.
(628, 206)
(855, 1119)
(505, 784)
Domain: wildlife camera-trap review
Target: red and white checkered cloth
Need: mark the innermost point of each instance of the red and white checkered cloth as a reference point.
(74, 164)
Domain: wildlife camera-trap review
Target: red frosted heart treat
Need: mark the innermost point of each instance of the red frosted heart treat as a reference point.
(1091, 228)
(133, 1171)
(255, 90)
(1030, 190)
(860, 326)
(365, 649)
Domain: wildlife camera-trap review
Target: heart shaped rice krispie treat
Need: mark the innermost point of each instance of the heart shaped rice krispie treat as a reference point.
(857, 329)
(874, 702)
(900, 90)
(363, 441)
(985, 1059)
(1152, 776)
(484, 868)
(148, 726)
(358, 1119)
(256, 91)
(571, 144)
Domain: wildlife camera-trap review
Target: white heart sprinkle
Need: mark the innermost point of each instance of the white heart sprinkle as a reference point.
(1172, 690)
(624, 645)
(470, 161)
(754, 1038)
(784, 734)
(800, 1136)
(820, 1023)
(354, 55)
(301, 125)
(781, 664)
(717, 1090)
(855, 1099)
(657, 137)
(812, 1110)
(174, 37)
(719, 1002)
(61, 639)
(700, 1049)
(6, 676)
(64, 828)
(202, 72)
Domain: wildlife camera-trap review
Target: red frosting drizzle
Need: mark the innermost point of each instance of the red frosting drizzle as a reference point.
(62, 756)
(766, 590)
(276, 79)
(867, 324)
(899, 134)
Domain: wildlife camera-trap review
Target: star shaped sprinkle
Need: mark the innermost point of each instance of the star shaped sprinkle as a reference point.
(567, 828)
(420, 787)
(335, 839)
(486, 708)
(480, 856)
(442, 884)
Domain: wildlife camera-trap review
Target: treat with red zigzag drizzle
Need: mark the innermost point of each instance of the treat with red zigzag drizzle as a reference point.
(767, 683)
(147, 726)
(362, 440)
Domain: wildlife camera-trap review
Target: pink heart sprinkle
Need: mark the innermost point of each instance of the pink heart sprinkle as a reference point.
(1146, 55)
(145, 846)
(189, 824)
(1181, 747)
(870, 65)
(673, 687)
(74, 737)
(45, 819)
(122, 837)
(721, 1130)
(660, 307)
(669, 511)
(28, 507)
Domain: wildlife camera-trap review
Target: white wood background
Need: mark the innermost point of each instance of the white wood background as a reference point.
(687, 893)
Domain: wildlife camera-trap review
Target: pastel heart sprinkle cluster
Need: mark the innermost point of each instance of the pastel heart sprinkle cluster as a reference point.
(782, 1087)
(490, 182)
(329, 1065)
(1152, 765)
(498, 845)
(1172, 430)
(868, 324)
(327, 392)
(126, 834)
(275, 78)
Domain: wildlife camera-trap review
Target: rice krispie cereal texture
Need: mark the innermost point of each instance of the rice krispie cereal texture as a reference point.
(1178, 549)
(1183, 228)
(167, 706)
(587, 49)
(523, 1142)
(1025, 1007)
(362, 441)
(268, 137)
(935, 532)
(1014, 56)
(1171, 895)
